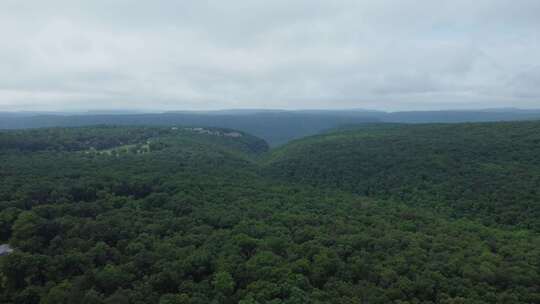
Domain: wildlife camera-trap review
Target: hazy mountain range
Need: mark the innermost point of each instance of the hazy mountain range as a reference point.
(275, 126)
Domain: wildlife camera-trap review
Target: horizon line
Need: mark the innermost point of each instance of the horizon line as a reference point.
(125, 111)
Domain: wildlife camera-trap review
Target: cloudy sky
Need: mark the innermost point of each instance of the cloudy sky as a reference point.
(170, 54)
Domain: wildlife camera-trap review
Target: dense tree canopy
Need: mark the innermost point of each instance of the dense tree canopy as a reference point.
(161, 215)
(489, 172)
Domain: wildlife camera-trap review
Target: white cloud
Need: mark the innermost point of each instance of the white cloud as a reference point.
(250, 53)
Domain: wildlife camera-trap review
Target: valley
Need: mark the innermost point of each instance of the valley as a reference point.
(378, 213)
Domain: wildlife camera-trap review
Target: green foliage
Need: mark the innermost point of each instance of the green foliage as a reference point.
(174, 299)
(224, 283)
(199, 220)
(59, 294)
(488, 172)
(92, 297)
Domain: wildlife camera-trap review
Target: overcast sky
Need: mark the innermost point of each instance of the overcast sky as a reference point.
(172, 54)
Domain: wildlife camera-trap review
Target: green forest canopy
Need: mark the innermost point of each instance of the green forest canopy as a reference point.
(376, 214)
(489, 172)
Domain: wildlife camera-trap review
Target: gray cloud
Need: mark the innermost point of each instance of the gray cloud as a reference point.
(166, 54)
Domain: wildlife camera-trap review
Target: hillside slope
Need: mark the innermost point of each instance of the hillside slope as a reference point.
(106, 137)
(112, 215)
(76, 164)
(277, 127)
(274, 127)
(489, 171)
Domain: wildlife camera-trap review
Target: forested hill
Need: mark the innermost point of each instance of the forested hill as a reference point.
(274, 127)
(277, 127)
(486, 171)
(198, 215)
(111, 137)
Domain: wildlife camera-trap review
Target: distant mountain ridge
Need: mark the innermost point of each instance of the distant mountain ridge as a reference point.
(275, 126)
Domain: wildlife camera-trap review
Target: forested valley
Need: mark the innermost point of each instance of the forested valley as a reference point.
(373, 213)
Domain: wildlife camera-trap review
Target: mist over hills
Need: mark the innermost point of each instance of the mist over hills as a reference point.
(275, 126)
